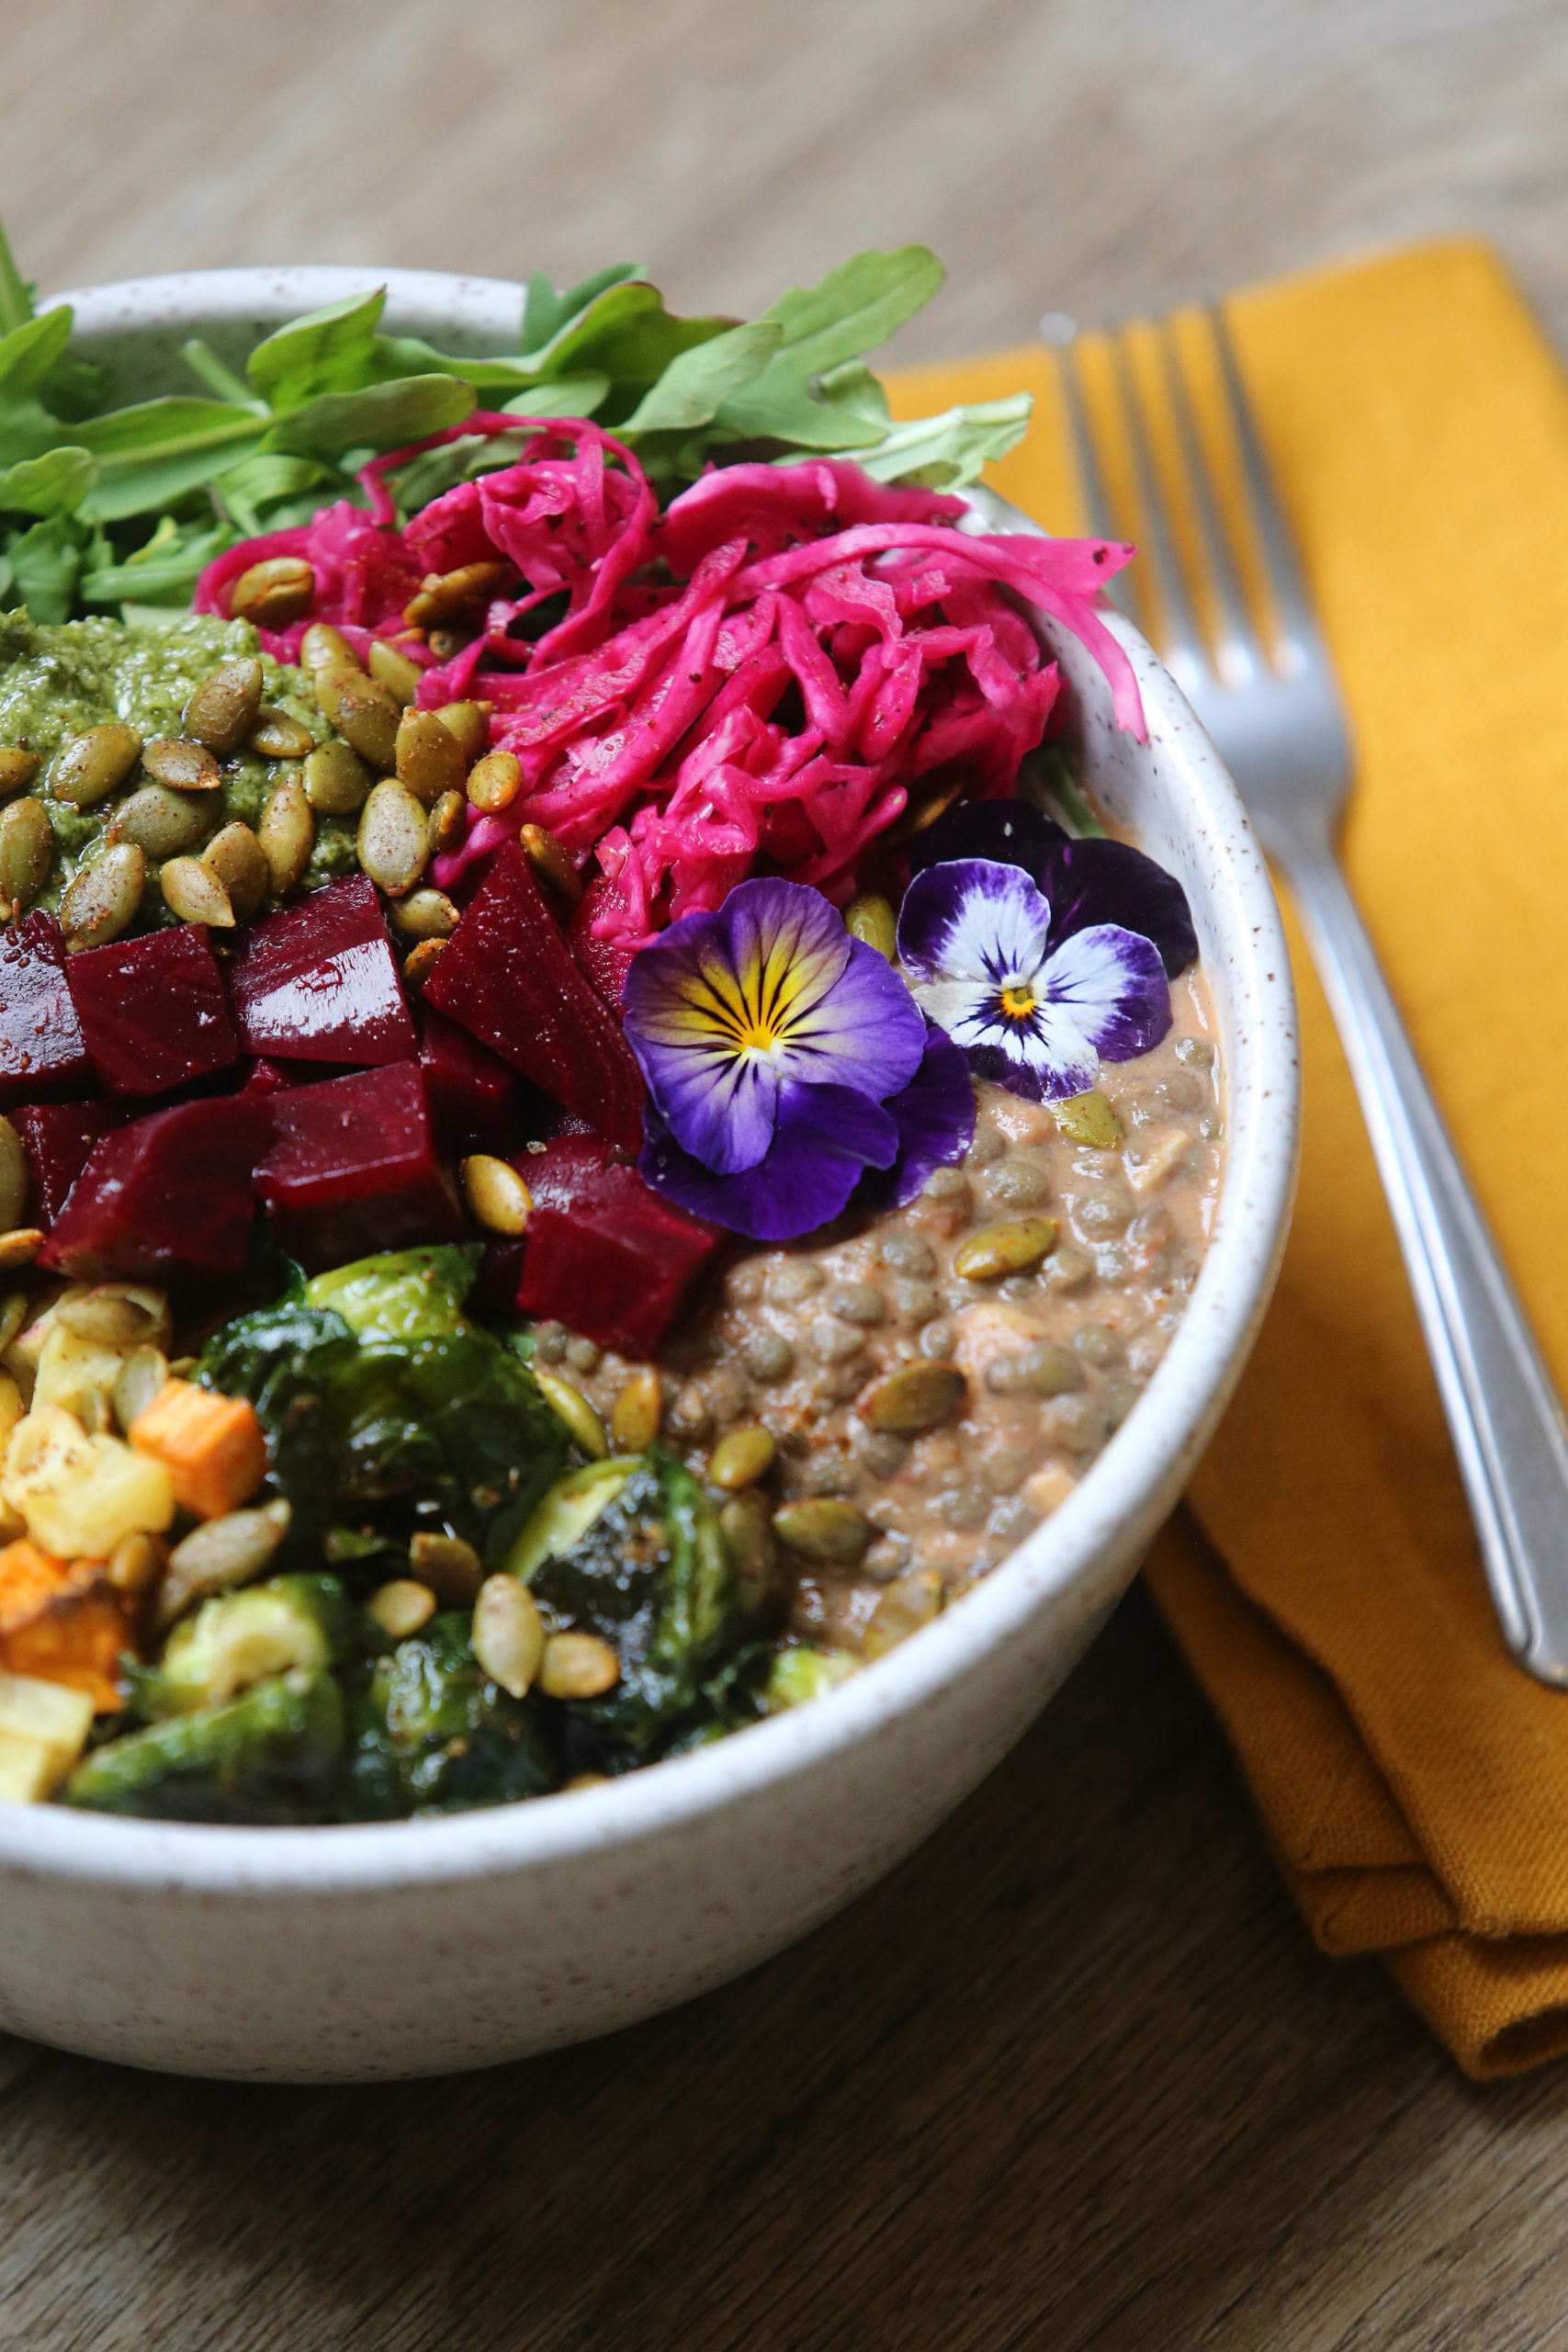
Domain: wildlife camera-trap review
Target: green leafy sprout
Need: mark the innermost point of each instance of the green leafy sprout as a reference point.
(106, 508)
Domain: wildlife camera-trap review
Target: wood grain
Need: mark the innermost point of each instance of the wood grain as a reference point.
(1074, 2076)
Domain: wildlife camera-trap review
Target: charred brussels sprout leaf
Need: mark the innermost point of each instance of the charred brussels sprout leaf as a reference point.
(383, 1403)
(433, 1734)
(651, 1576)
(237, 1639)
(271, 1755)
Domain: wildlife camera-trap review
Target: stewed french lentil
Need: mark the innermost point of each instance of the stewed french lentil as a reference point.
(943, 1378)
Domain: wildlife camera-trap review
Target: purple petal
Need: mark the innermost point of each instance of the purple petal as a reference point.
(935, 1117)
(1013, 833)
(825, 1139)
(972, 919)
(720, 1103)
(1043, 1059)
(1111, 983)
(1089, 883)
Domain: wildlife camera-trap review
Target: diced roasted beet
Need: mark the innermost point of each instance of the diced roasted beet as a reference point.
(472, 1092)
(42, 1052)
(318, 982)
(267, 1076)
(604, 1255)
(167, 1195)
(354, 1168)
(153, 1010)
(495, 1284)
(507, 976)
(605, 962)
(58, 1140)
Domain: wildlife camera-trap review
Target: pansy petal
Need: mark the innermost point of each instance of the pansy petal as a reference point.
(825, 1139)
(1113, 984)
(1044, 1057)
(1090, 883)
(867, 1032)
(972, 919)
(935, 1118)
(1011, 831)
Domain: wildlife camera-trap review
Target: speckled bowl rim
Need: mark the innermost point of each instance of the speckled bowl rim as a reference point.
(1073, 1553)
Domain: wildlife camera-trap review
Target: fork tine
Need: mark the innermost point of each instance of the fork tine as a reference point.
(1293, 613)
(1091, 482)
(1238, 654)
(1185, 652)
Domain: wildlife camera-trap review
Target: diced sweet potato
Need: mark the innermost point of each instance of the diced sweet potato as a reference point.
(61, 1622)
(213, 1448)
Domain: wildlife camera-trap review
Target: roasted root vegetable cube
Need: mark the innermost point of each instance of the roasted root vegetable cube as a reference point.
(80, 1496)
(603, 1254)
(168, 1194)
(60, 1622)
(318, 982)
(213, 1448)
(472, 1093)
(153, 1011)
(43, 1729)
(353, 1169)
(42, 1049)
(57, 1143)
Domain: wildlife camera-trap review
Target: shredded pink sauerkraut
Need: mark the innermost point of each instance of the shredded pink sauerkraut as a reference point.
(758, 676)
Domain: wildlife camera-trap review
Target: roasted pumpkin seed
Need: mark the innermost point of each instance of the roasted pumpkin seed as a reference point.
(824, 1529)
(115, 1315)
(17, 768)
(91, 766)
(239, 861)
(103, 898)
(394, 671)
(364, 713)
(1089, 1119)
(426, 914)
(140, 1377)
(324, 647)
(469, 721)
(446, 823)
(336, 779)
(277, 737)
(636, 1411)
(429, 762)
(287, 834)
(452, 1568)
(418, 968)
(193, 892)
(13, 1177)
(219, 1554)
(495, 781)
(275, 593)
(550, 863)
(19, 1247)
(401, 1607)
(495, 1193)
(1009, 1249)
(914, 1397)
(741, 1457)
(508, 1634)
(159, 822)
(446, 598)
(136, 1564)
(565, 1398)
(873, 919)
(223, 708)
(578, 1666)
(27, 853)
(749, 1539)
(183, 766)
(393, 841)
(903, 1609)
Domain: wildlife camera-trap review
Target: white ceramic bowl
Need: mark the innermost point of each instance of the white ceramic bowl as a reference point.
(411, 1948)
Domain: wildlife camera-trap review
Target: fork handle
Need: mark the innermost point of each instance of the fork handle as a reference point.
(1508, 1428)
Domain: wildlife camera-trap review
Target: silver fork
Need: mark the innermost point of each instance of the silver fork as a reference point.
(1279, 726)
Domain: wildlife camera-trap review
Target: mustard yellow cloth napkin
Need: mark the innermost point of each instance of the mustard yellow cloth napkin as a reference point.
(1323, 1582)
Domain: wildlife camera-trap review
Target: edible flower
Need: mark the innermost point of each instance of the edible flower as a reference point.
(784, 1059)
(1032, 1002)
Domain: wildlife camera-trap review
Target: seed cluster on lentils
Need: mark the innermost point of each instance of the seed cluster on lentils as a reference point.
(891, 1408)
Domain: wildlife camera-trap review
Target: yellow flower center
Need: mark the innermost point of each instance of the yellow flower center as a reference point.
(1017, 1003)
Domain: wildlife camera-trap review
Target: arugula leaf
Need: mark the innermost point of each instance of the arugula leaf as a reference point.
(853, 308)
(544, 311)
(697, 381)
(43, 564)
(218, 377)
(627, 333)
(329, 350)
(149, 455)
(16, 299)
(945, 451)
(381, 416)
(165, 570)
(256, 481)
(53, 485)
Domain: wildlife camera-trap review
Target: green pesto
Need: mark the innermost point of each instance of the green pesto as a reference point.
(56, 681)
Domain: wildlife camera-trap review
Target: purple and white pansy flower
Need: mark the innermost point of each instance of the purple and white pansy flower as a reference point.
(784, 1059)
(1033, 997)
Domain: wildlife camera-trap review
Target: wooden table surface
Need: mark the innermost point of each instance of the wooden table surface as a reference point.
(1074, 2076)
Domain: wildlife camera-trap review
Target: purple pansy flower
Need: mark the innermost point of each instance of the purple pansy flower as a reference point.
(772, 1042)
(1032, 1009)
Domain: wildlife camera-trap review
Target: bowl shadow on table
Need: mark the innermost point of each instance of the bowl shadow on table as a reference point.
(1075, 2068)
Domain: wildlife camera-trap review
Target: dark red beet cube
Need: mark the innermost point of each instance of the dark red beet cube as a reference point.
(42, 1052)
(507, 976)
(606, 1256)
(267, 1076)
(153, 1011)
(167, 1195)
(318, 982)
(472, 1092)
(58, 1140)
(354, 1168)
